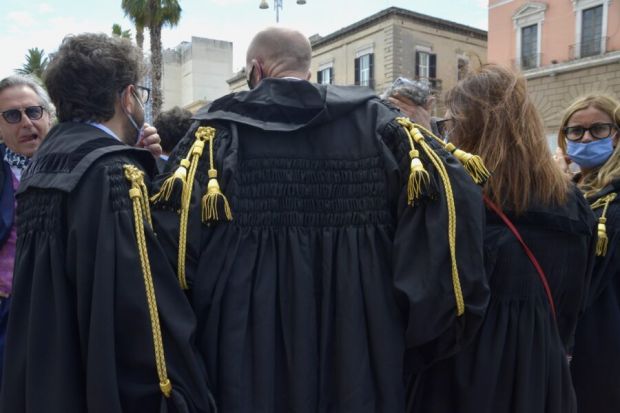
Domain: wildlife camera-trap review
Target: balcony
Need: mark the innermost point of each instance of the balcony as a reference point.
(370, 83)
(527, 62)
(434, 82)
(592, 47)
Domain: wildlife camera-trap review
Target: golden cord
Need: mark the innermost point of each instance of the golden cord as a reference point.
(141, 212)
(415, 134)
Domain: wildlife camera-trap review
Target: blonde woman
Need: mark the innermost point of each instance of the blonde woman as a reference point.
(588, 136)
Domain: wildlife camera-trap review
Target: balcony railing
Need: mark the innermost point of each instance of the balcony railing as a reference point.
(526, 62)
(592, 47)
(434, 82)
(368, 83)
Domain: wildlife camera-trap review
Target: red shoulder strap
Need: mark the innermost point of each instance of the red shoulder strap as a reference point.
(527, 250)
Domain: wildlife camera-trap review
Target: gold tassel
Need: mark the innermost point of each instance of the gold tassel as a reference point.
(174, 185)
(602, 241)
(473, 164)
(211, 199)
(418, 178)
(138, 195)
(214, 196)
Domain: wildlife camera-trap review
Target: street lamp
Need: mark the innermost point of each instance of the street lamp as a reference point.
(277, 4)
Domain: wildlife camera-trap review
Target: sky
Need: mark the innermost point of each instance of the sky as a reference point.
(44, 23)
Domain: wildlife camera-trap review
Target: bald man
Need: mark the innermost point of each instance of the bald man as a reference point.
(310, 274)
(278, 53)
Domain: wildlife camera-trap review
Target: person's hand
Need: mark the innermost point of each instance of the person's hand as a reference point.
(150, 140)
(418, 114)
(561, 160)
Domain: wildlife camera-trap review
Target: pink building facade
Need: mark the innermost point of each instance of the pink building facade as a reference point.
(565, 49)
(531, 34)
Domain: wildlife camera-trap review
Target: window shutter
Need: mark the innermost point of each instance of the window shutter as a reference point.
(371, 70)
(319, 77)
(432, 70)
(331, 75)
(417, 65)
(357, 71)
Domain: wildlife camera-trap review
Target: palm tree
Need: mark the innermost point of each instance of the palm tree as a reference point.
(153, 14)
(118, 31)
(36, 62)
(137, 12)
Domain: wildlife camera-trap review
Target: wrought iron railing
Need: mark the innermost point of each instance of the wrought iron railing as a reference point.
(590, 47)
(527, 61)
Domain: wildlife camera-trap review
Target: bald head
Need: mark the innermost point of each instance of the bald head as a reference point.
(280, 52)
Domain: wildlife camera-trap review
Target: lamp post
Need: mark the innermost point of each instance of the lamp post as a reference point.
(277, 4)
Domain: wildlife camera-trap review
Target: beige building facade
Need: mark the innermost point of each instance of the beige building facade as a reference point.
(196, 72)
(565, 48)
(394, 42)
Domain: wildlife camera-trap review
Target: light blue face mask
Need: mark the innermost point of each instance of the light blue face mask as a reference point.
(590, 155)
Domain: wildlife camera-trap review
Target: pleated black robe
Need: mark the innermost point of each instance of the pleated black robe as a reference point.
(518, 361)
(308, 299)
(79, 336)
(596, 360)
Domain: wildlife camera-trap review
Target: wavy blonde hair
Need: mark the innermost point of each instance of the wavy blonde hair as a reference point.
(495, 118)
(598, 178)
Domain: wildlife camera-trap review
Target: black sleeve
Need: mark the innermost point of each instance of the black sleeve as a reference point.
(80, 335)
(422, 261)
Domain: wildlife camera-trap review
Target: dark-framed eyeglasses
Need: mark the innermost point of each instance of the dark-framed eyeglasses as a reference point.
(15, 115)
(143, 93)
(597, 131)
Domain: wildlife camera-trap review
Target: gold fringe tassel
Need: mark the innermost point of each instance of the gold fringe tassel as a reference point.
(414, 133)
(139, 197)
(213, 200)
(174, 184)
(473, 164)
(418, 176)
(603, 241)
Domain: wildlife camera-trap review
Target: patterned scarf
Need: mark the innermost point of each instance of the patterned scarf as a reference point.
(15, 159)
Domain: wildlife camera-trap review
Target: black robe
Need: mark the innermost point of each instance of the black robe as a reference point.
(596, 360)
(518, 361)
(79, 335)
(307, 300)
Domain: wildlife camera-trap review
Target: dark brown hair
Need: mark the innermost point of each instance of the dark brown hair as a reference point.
(495, 118)
(86, 75)
(171, 126)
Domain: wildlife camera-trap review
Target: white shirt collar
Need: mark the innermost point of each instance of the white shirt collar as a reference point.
(105, 129)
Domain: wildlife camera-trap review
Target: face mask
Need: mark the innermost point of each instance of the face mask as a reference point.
(590, 155)
(139, 129)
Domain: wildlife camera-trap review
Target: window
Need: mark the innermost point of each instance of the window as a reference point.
(529, 46)
(462, 67)
(591, 30)
(591, 33)
(325, 76)
(364, 69)
(528, 22)
(426, 66)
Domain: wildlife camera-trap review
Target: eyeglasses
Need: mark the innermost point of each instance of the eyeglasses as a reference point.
(597, 131)
(444, 126)
(143, 93)
(15, 115)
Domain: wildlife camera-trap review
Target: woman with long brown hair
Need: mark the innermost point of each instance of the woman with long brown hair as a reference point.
(539, 245)
(588, 135)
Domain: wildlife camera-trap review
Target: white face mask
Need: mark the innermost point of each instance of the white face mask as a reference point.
(139, 129)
